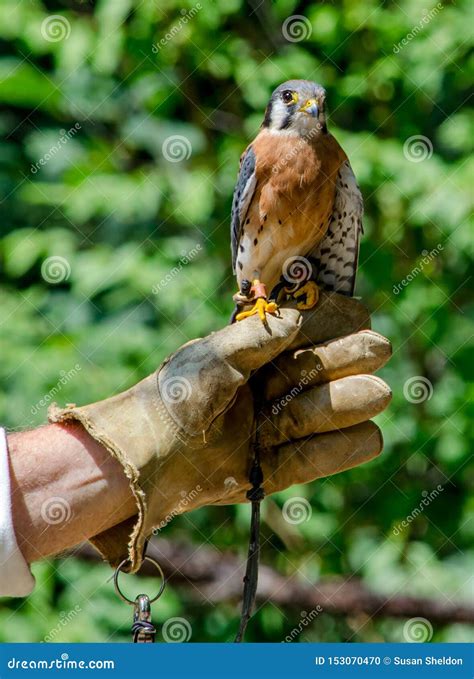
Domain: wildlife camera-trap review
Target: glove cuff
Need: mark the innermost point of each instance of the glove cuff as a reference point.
(136, 429)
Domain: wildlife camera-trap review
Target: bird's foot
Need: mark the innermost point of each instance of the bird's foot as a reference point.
(306, 296)
(262, 306)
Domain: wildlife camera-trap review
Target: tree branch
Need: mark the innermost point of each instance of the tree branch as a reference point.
(212, 576)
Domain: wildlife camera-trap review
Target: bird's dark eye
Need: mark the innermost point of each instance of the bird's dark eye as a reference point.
(289, 97)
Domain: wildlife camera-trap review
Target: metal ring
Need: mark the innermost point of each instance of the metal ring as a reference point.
(119, 569)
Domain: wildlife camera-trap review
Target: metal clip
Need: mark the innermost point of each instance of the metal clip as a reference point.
(143, 630)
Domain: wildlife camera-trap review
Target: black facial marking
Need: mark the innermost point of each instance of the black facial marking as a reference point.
(287, 121)
(268, 114)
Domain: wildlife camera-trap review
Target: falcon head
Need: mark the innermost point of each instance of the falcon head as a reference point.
(298, 107)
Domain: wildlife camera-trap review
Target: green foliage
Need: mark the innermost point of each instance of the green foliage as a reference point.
(122, 218)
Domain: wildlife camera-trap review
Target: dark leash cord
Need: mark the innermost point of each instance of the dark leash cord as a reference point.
(143, 631)
(255, 495)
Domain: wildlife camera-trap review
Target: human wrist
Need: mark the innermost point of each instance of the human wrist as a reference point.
(65, 487)
(135, 430)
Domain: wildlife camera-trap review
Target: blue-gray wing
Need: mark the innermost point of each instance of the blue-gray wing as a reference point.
(243, 194)
(337, 255)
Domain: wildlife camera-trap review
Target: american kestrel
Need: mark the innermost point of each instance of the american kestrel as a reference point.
(297, 209)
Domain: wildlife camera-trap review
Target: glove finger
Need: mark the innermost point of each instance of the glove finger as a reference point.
(321, 455)
(198, 381)
(326, 407)
(334, 316)
(361, 353)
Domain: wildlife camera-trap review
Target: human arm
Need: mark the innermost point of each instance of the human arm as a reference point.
(68, 477)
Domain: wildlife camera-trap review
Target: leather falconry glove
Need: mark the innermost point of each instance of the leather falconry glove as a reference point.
(185, 434)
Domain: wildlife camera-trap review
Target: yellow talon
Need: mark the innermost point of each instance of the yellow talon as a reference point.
(261, 307)
(310, 293)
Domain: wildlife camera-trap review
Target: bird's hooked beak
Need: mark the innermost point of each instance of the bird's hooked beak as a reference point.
(311, 108)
